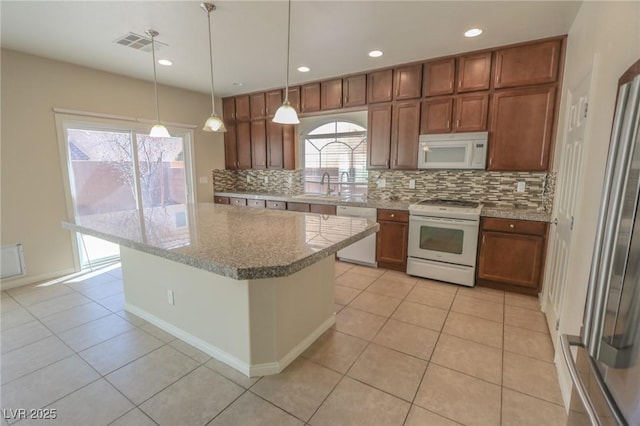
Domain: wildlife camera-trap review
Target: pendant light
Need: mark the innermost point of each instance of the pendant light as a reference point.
(213, 123)
(287, 114)
(158, 130)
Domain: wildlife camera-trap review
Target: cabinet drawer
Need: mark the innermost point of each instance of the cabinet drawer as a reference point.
(298, 207)
(221, 200)
(258, 204)
(276, 205)
(514, 226)
(237, 201)
(393, 215)
(322, 209)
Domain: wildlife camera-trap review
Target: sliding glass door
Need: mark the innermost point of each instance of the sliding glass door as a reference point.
(113, 169)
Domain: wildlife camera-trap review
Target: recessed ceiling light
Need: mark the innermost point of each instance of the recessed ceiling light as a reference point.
(375, 53)
(237, 83)
(473, 32)
(165, 62)
(304, 69)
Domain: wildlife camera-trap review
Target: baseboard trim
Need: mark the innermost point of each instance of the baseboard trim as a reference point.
(9, 283)
(249, 370)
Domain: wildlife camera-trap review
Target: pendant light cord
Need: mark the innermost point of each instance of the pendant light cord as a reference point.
(155, 78)
(213, 106)
(286, 90)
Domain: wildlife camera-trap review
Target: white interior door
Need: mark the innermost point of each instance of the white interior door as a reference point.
(568, 182)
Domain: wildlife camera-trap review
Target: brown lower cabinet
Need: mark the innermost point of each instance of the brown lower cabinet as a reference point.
(276, 205)
(298, 207)
(511, 254)
(220, 200)
(392, 239)
(322, 209)
(256, 204)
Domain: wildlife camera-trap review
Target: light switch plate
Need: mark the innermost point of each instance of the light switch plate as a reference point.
(521, 186)
(266, 179)
(170, 297)
(412, 184)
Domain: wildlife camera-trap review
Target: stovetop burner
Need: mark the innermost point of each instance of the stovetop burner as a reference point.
(449, 203)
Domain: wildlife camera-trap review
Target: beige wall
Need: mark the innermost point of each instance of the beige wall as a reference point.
(33, 194)
(606, 34)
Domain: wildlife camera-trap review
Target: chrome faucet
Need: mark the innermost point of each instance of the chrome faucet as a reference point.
(326, 174)
(340, 181)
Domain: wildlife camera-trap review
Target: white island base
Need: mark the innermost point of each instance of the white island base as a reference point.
(257, 326)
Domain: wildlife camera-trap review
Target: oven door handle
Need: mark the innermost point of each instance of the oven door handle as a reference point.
(429, 219)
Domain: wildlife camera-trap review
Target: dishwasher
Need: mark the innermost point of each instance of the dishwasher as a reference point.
(362, 252)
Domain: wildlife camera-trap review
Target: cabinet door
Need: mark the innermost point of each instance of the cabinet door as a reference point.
(274, 100)
(471, 112)
(294, 97)
(310, 97)
(529, 64)
(391, 245)
(407, 82)
(331, 94)
(230, 153)
(511, 258)
(288, 146)
(354, 90)
(436, 115)
(275, 154)
(242, 108)
(322, 209)
(439, 77)
(258, 144)
(521, 129)
(379, 136)
(405, 128)
(474, 72)
(243, 146)
(298, 207)
(380, 86)
(257, 105)
(229, 109)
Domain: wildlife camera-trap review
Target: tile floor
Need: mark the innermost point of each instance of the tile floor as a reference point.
(404, 351)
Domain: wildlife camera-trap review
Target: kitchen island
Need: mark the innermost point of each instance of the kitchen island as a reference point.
(251, 287)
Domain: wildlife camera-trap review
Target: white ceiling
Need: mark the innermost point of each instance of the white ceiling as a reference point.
(249, 37)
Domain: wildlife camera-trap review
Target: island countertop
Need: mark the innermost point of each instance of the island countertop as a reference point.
(235, 242)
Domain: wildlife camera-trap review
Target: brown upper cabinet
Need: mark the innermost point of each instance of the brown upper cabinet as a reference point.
(528, 64)
(460, 113)
(310, 97)
(379, 136)
(275, 153)
(380, 86)
(258, 144)
(243, 144)
(407, 82)
(288, 146)
(405, 129)
(439, 77)
(274, 100)
(242, 108)
(257, 105)
(474, 72)
(229, 109)
(331, 94)
(354, 90)
(521, 128)
(294, 97)
(230, 153)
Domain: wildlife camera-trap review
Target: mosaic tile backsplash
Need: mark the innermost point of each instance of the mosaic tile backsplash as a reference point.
(285, 182)
(496, 188)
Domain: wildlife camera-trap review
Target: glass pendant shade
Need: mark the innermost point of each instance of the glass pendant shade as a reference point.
(159, 131)
(214, 124)
(286, 114)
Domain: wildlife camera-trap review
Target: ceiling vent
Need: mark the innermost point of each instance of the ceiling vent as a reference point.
(138, 42)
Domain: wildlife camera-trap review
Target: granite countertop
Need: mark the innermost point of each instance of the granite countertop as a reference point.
(236, 242)
(505, 212)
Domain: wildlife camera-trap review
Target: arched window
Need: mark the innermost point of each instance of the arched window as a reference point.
(338, 148)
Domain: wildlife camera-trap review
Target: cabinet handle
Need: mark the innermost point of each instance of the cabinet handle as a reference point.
(393, 215)
(457, 123)
(459, 84)
(511, 225)
(451, 85)
(497, 78)
(448, 124)
(345, 99)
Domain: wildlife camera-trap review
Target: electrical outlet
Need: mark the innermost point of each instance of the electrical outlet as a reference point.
(290, 180)
(521, 186)
(170, 297)
(382, 183)
(412, 184)
(266, 180)
(248, 179)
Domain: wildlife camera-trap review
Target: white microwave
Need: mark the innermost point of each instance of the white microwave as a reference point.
(453, 151)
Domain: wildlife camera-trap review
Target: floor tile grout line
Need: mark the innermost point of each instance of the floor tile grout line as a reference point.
(131, 410)
(281, 408)
(244, 391)
(534, 396)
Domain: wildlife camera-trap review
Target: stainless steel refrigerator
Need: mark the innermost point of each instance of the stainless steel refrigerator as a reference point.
(606, 368)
